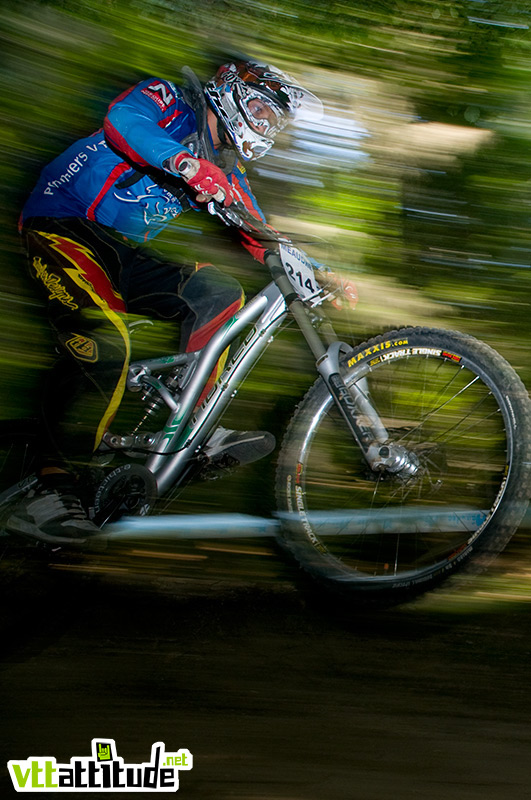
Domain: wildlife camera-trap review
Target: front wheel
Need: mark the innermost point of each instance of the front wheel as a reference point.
(462, 415)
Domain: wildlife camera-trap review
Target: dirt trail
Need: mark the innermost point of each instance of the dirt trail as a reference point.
(276, 698)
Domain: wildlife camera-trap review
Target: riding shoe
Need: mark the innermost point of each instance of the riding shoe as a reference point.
(239, 447)
(52, 515)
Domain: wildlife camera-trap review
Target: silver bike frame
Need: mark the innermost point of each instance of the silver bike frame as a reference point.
(185, 431)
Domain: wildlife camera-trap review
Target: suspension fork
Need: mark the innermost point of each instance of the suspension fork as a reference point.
(353, 402)
(355, 405)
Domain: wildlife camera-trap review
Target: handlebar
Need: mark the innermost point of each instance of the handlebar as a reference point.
(238, 216)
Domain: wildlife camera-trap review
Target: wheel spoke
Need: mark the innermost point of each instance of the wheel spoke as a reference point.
(382, 525)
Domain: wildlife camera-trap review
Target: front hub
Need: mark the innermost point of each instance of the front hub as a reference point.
(394, 459)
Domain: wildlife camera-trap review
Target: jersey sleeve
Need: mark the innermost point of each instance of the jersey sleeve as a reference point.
(136, 121)
(244, 194)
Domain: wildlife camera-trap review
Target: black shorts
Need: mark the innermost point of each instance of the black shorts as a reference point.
(91, 279)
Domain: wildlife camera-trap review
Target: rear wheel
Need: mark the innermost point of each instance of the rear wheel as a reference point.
(463, 417)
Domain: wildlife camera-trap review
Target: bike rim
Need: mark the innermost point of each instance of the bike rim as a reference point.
(370, 527)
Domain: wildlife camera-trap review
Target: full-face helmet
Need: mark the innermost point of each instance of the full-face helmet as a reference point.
(253, 102)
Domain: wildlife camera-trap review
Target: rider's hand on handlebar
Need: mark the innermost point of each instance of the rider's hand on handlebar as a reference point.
(345, 288)
(203, 176)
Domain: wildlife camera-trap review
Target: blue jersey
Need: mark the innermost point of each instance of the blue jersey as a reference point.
(94, 178)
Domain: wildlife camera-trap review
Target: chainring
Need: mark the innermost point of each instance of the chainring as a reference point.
(129, 490)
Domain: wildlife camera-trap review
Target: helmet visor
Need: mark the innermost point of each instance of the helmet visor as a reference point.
(263, 115)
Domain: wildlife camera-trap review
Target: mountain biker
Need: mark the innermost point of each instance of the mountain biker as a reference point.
(163, 149)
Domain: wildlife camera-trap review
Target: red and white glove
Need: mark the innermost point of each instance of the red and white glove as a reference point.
(203, 176)
(345, 288)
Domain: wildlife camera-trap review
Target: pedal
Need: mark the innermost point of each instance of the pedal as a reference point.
(219, 467)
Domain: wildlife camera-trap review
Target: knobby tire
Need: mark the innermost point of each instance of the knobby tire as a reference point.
(382, 539)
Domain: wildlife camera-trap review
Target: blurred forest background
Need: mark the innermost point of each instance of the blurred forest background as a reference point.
(417, 180)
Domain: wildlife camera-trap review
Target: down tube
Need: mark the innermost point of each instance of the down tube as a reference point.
(190, 433)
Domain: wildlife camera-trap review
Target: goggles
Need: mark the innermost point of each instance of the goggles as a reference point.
(261, 112)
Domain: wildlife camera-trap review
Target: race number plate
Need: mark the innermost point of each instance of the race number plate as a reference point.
(300, 271)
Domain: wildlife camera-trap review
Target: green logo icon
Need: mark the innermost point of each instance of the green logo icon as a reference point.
(104, 752)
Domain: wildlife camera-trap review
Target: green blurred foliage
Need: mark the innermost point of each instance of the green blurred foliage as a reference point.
(449, 221)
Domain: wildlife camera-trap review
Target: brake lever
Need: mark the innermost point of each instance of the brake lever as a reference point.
(237, 215)
(231, 215)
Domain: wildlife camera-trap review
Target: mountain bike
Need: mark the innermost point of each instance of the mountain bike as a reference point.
(407, 461)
